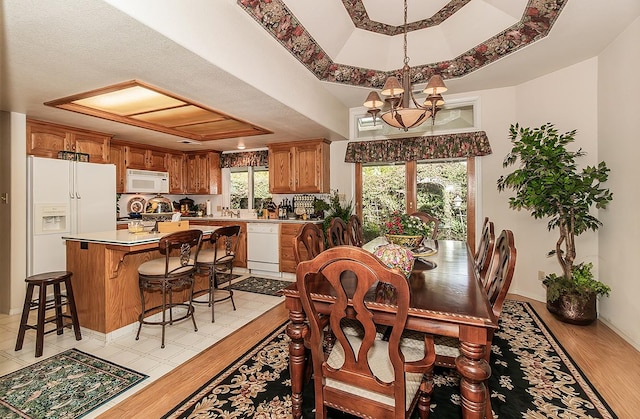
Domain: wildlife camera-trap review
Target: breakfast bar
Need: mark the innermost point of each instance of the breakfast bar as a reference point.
(105, 275)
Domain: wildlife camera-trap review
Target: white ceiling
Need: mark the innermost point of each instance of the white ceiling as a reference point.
(212, 52)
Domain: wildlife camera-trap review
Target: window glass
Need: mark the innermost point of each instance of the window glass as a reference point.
(260, 186)
(442, 192)
(383, 191)
(239, 189)
(249, 187)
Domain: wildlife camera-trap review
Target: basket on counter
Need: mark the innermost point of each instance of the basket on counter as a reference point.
(403, 240)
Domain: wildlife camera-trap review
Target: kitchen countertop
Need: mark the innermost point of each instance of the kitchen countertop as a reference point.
(124, 238)
(241, 219)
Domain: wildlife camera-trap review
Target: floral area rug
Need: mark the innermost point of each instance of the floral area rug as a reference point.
(67, 385)
(259, 285)
(531, 377)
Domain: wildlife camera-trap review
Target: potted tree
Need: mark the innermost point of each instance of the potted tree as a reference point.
(549, 184)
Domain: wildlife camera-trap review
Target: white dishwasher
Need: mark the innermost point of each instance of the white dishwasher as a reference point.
(263, 247)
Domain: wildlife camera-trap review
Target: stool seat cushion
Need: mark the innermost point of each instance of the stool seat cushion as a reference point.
(155, 267)
(207, 255)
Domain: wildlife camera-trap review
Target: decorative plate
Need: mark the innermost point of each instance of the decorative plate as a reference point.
(136, 204)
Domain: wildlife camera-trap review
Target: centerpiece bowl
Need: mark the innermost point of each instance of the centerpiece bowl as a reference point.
(405, 240)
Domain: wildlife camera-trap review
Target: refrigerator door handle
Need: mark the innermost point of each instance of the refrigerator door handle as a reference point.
(75, 179)
(71, 180)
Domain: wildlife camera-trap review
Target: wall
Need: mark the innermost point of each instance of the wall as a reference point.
(5, 211)
(13, 220)
(618, 145)
(568, 99)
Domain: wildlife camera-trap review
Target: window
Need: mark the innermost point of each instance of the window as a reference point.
(458, 115)
(439, 188)
(383, 191)
(249, 187)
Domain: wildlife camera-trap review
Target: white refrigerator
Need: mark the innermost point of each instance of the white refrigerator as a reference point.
(65, 197)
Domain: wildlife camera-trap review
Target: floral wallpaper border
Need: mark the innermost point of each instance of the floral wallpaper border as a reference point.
(468, 144)
(360, 18)
(244, 159)
(274, 16)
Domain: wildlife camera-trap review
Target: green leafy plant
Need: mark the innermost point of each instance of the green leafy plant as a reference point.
(337, 209)
(402, 224)
(549, 184)
(581, 283)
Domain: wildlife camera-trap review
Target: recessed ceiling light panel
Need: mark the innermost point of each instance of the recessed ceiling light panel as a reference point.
(139, 104)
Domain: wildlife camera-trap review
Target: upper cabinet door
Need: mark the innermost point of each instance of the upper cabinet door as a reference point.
(136, 158)
(46, 140)
(96, 146)
(176, 167)
(157, 160)
(281, 169)
(117, 157)
(308, 164)
(299, 167)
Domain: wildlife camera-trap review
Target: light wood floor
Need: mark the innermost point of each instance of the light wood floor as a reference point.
(611, 364)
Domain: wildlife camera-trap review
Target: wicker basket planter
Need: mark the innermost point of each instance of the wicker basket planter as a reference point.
(406, 241)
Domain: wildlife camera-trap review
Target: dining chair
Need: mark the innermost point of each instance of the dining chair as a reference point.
(217, 261)
(309, 242)
(168, 274)
(484, 252)
(429, 220)
(364, 376)
(337, 233)
(499, 278)
(356, 236)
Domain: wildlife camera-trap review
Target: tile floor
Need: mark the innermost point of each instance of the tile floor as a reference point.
(143, 355)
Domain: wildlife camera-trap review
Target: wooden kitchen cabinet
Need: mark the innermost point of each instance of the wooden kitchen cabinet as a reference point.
(299, 167)
(117, 157)
(146, 159)
(288, 231)
(45, 139)
(203, 174)
(176, 168)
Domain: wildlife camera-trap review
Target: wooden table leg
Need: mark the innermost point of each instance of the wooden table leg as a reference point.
(474, 372)
(297, 330)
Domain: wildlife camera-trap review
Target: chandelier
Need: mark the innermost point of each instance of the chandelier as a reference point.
(399, 97)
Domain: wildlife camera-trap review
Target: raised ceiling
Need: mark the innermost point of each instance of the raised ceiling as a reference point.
(216, 54)
(437, 44)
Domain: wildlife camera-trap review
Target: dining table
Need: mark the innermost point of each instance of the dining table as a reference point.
(447, 299)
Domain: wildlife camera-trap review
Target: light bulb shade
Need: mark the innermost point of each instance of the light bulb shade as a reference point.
(405, 118)
(392, 87)
(434, 100)
(435, 86)
(373, 101)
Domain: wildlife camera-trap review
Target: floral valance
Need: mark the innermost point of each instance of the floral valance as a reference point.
(248, 158)
(468, 144)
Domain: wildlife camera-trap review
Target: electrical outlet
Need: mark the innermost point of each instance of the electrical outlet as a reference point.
(342, 197)
(541, 275)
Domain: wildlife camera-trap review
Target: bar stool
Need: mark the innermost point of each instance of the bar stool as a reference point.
(170, 273)
(42, 281)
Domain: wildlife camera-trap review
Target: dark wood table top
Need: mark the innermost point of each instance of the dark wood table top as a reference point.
(447, 293)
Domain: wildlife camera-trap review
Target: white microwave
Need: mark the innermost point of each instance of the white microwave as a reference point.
(147, 181)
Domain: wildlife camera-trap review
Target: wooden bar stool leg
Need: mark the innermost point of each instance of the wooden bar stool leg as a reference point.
(71, 304)
(25, 317)
(57, 302)
(42, 307)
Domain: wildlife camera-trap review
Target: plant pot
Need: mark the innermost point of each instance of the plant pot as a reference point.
(574, 308)
(406, 241)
